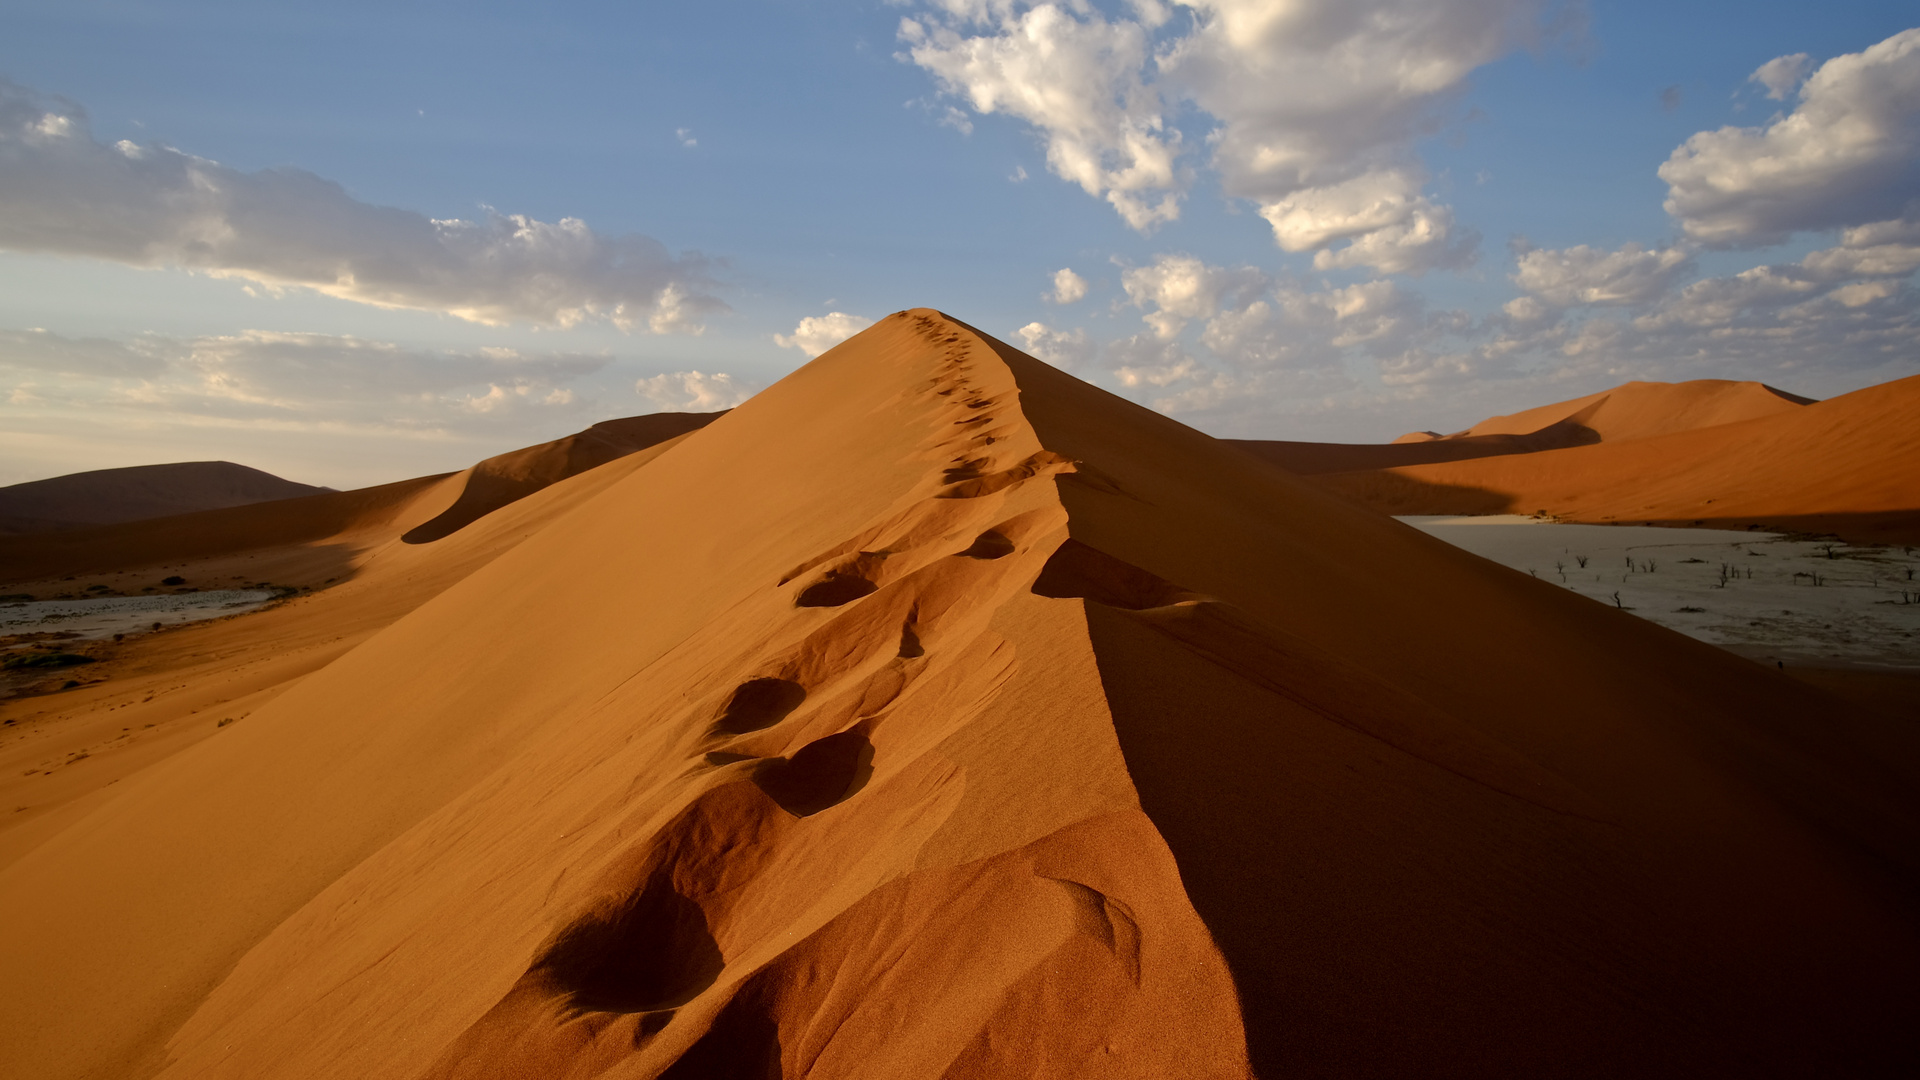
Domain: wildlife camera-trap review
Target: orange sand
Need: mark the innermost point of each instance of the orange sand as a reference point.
(106, 496)
(936, 715)
(1849, 465)
(1635, 410)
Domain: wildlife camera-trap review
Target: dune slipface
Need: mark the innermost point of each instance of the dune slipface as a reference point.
(936, 715)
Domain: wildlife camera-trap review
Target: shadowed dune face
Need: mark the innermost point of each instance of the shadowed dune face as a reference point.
(1848, 466)
(501, 480)
(1636, 410)
(111, 496)
(1127, 756)
(315, 537)
(1640, 410)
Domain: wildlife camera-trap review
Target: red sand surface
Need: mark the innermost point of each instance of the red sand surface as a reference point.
(1848, 465)
(934, 714)
(1635, 410)
(106, 496)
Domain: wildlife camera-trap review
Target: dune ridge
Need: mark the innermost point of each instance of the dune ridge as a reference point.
(1634, 410)
(935, 709)
(1849, 466)
(110, 496)
(322, 534)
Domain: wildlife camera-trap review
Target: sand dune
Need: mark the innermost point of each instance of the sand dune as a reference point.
(497, 481)
(934, 714)
(158, 693)
(305, 540)
(109, 496)
(1639, 410)
(1634, 410)
(1849, 466)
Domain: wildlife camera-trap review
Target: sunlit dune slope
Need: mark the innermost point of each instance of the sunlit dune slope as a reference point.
(1848, 465)
(1634, 410)
(107, 496)
(157, 693)
(1639, 410)
(936, 715)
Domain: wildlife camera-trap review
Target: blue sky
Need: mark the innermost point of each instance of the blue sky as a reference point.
(1286, 218)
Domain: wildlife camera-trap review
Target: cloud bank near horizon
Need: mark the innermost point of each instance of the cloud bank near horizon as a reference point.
(63, 192)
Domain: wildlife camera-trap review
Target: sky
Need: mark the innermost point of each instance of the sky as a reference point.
(354, 242)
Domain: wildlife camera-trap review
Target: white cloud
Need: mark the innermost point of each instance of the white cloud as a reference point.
(1782, 74)
(1844, 156)
(1316, 97)
(1392, 228)
(1314, 104)
(1176, 289)
(1236, 351)
(1142, 361)
(817, 333)
(1064, 349)
(62, 192)
(1075, 76)
(685, 135)
(1878, 249)
(259, 376)
(693, 391)
(1586, 275)
(1068, 287)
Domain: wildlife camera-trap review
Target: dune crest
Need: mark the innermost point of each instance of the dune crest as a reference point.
(110, 496)
(1848, 465)
(937, 715)
(1639, 410)
(1634, 410)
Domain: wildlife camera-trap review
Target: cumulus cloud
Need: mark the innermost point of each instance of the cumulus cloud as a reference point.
(1176, 289)
(1318, 103)
(1065, 349)
(1075, 76)
(817, 333)
(1390, 226)
(1239, 351)
(1586, 275)
(1877, 249)
(62, 192)
(693, 391)
(1846, 155)
(1314, 104)
(1225, 344)
(1782, 74)
(1068, 287)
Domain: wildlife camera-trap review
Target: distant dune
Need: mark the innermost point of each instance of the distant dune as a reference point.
(1635, 410)
(934, 714)
(1849, 466)
(110, 496)
(308, 539)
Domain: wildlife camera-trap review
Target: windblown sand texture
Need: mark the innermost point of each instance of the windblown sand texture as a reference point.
(936, 715)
